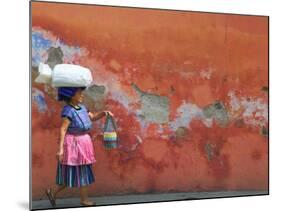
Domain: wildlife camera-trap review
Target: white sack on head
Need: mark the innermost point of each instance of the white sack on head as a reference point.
(70, 75)
(45, 74)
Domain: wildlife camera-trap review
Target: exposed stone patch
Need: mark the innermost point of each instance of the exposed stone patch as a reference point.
(97, 94)
(217, 111)
(264, 131)
(55, 56)
(181, 132)
(154, 108)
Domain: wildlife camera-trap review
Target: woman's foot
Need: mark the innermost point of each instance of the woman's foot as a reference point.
(87, 203)
(51, 197)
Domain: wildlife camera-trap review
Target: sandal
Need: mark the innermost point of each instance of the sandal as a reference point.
(51, 198)
(88, 203)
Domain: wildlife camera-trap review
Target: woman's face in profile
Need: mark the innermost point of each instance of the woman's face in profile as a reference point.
(78, 97)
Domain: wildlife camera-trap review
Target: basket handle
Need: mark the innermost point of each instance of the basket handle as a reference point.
(109, 118)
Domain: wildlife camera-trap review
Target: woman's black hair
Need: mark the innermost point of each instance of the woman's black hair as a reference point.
(65, 99)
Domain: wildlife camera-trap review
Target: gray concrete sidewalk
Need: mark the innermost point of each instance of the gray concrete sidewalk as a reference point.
(141, 198)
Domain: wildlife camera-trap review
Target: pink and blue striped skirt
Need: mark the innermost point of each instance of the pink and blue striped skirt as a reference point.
(74, 176)
(75, 170)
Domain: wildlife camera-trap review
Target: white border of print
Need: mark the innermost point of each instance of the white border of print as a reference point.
(15, 103)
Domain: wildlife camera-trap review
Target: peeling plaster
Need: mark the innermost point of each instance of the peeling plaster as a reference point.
(43, 40)
(186, 112)
(96, 92)
(206, 74)
(114, 89)
(154, 108)
(255, 110)
(218, 112)
(138, 142)
(209, 148)
(144, 124)
(121, 97)
(181, 132)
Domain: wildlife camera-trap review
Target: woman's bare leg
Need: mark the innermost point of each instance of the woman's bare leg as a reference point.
(58, 189)
(52, 193)
(84, 200)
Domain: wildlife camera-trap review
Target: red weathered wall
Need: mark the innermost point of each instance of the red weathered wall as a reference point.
(192, 58)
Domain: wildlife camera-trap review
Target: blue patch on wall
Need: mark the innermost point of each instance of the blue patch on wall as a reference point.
(40, 102)
(39, 46)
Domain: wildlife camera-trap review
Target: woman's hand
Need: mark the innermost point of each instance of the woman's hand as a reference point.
(60, 155)
(108, 113)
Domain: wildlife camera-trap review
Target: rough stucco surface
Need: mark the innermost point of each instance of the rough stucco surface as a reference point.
(189, 92)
